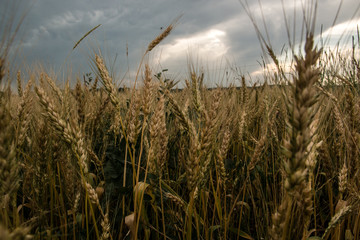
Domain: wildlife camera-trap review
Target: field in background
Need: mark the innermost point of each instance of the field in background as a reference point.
(276, 161)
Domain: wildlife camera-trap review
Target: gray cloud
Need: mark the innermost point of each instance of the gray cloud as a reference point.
(52, 28)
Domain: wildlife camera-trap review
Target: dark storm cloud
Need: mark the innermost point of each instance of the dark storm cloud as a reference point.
(53, 27)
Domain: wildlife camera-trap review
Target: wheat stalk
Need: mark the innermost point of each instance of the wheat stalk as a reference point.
(337, 218)
(71, 136)
(86, 34)
(158, 139)
(19, 83)
(9, 167)
(301, 111)
(147, 94)
(162, 36)
(107, 81)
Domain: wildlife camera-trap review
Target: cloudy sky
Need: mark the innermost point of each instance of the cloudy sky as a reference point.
(215, 35)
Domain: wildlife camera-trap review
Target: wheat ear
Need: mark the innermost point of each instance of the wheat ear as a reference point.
(301, 114)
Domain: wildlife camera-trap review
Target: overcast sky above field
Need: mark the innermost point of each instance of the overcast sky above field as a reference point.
(214, 32)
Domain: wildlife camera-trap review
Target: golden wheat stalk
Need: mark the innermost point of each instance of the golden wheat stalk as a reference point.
(69, 134)
(107, 81)
(163, 35)
(158, 139)
(86, 34)
(301, 111)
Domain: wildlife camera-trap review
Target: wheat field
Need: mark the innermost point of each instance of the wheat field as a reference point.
(278, 160)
